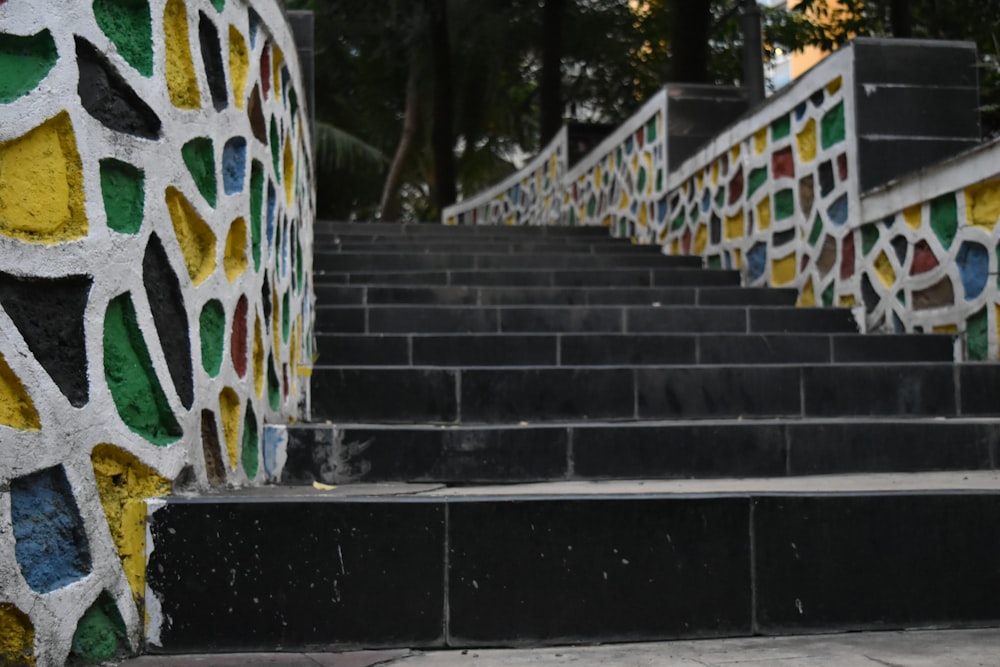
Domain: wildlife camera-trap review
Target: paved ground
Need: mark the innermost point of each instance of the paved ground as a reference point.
(941, 648)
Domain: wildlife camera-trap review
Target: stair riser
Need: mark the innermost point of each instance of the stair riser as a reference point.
(333, 244)
(424, 572)
(413, 262)
(596, 277)
(330, 295)
(602, 350)
(390, 230)
(535, 394)
(597, 319)
(519, 454)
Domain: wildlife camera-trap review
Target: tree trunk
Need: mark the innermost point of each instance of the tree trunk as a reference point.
(900, 18)
(551, 84)
(692, 20)
(441, 131)
(389, 208)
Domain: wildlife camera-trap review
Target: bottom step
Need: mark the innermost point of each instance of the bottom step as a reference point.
(426, 566)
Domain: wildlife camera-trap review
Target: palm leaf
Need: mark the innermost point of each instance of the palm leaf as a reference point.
(339, 149)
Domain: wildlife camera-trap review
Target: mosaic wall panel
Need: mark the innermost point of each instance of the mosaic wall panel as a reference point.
(775, 202)
(619, 183)
(933, 266)
(532, 196)
(156, 208)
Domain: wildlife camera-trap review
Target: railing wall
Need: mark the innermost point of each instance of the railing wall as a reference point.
(156, 309)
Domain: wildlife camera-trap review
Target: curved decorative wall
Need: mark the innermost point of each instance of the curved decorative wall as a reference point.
(156, 208)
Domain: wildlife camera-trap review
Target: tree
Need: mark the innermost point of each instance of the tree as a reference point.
(550, 85)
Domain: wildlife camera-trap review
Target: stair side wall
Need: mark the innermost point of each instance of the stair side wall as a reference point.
(156, 210)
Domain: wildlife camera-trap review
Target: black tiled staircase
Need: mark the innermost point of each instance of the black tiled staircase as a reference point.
(824, 480)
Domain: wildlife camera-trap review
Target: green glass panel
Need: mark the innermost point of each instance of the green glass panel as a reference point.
(715, 262)
(123, 191)
(256, 206)
(781, 128)
(251, 443)
(817, 230)
(641, 181)
(678, 221)
(131, 379)
(591, 205)
(285, 318)
(199, 157)
(756, 179)
(273, 385)
(977, 335)
(869, 237)
(24, 62)
(218, 4)
(828, 295)
(720, 197)
(651, 129)
(784, 204)
(128, 25)
(944, 218)
(275, 149)
(659, 180)
(212, 328)
(832, 126)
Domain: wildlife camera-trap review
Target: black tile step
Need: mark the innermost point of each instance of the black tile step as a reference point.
(554, 318)
(371, 261)
(595, 277)
(567, 296)
(576, 247)
(285, 570)
(514, 394)
(389, 229)
(350, 453)
(625, 349)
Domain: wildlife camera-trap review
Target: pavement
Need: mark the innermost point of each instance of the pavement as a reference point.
(924, 648)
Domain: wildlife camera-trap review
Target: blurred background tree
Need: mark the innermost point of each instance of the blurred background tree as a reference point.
(398, 82)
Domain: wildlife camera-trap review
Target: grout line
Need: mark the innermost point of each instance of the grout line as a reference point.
(956, 380)
(802, 391)
(635, 393)
(787, 429)
(458, 395)
(559, 349)
(570, 454)
(409, 347)
(367, 319)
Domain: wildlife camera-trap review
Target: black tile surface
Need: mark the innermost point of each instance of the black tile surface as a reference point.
(389, 394)
(686, 319)
(311, 455)
(362, 350)
(266, 576)
(903, 389)
(561, 318)
(441, 295)
(799, 320)
(629, 349)
(822, 448)
(738, 296)
(461, 455)
(763, 349)
(340, 319)
(529, 394)
(682, 450)
(876, 561)
(406, 319)
(980, 388)
(875, 347)
(585, 569)
(485, 350)
(694, 392)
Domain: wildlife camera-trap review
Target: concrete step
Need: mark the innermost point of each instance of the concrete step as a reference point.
(591, 319)
(508, 395)
(557, 349)
(594, 277)
(415, 566)
(516, 453)
(387, 261)
(567, 296)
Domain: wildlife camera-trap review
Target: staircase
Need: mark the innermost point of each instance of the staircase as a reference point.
(543, 435)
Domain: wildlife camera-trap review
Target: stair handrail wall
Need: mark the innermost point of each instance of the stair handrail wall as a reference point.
(811, 191)
(156, 303)
(531, 196)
